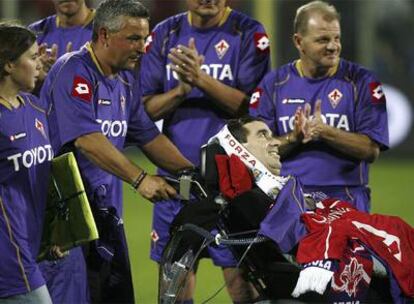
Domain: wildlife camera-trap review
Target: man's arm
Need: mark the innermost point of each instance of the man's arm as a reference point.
(187, 64)
(230, 99)
(160, 105)
(165, 155)
(99, 150)
(358, 146)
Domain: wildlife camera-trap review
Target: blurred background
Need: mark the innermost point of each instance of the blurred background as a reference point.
(375, 33)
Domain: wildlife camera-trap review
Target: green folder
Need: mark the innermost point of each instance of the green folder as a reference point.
(68, 221)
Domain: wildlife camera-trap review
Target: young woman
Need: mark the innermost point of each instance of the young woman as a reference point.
(25, 155)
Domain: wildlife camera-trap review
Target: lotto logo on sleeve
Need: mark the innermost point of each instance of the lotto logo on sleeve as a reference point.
(82, 89)
(261, 42)
(377, 93)
(255, 98)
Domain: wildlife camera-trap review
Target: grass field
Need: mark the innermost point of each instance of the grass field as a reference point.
(390, 184)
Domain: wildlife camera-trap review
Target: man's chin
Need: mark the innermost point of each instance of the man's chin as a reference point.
(275, 171)
(68, 8)
(208, 11)
(30, 87)
(129, 66)
(331, 62)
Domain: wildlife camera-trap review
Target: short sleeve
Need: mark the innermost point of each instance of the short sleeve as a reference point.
(153, 65)
(71, 94)
(371, 110)
(141, 129)
(255, 58)
(261, 102)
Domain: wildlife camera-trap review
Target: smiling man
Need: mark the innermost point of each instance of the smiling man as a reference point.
(261, 143)
(331, 150)
(96, 111)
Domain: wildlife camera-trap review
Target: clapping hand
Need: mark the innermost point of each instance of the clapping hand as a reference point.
(309, 127)
(316, 125)
(186, 62)
(48, 56)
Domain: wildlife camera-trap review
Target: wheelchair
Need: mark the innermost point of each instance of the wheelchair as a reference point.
(236, 225)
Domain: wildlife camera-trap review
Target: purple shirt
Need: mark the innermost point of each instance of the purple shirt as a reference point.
(282, 223)
(85, 101)
(236, 53)
(48, 31)
(25, 155)
(352, 100)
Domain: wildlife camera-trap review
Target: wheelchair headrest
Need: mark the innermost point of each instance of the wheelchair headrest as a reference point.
(208, 167)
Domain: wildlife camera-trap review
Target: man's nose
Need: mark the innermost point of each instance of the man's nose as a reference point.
(140, 46)
(38, 64)
(275, 141)
(332, 45)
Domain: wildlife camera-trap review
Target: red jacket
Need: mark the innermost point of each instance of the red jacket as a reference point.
(334, 222)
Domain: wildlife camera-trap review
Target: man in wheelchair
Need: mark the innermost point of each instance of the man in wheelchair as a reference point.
(330, 240)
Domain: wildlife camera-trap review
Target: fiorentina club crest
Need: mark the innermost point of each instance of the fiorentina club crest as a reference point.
(335, 97)
(350, 277)
(123, 104)
(221, 48)
(39, 126)
(154, 236)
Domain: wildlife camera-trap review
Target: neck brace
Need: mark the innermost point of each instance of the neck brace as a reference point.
(263, 178)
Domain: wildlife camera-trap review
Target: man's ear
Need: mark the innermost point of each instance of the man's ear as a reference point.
(8, 67)
(297, 40)
(103, 36)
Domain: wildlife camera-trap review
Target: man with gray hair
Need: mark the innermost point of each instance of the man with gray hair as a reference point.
(331, 150)
(95, 112)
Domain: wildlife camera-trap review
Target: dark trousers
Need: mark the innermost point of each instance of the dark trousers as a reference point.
(109, 270)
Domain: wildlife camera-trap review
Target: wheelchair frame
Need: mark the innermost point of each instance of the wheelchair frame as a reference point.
(272, 273)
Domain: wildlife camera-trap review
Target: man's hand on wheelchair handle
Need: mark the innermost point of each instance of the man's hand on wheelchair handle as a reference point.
(155, 188)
